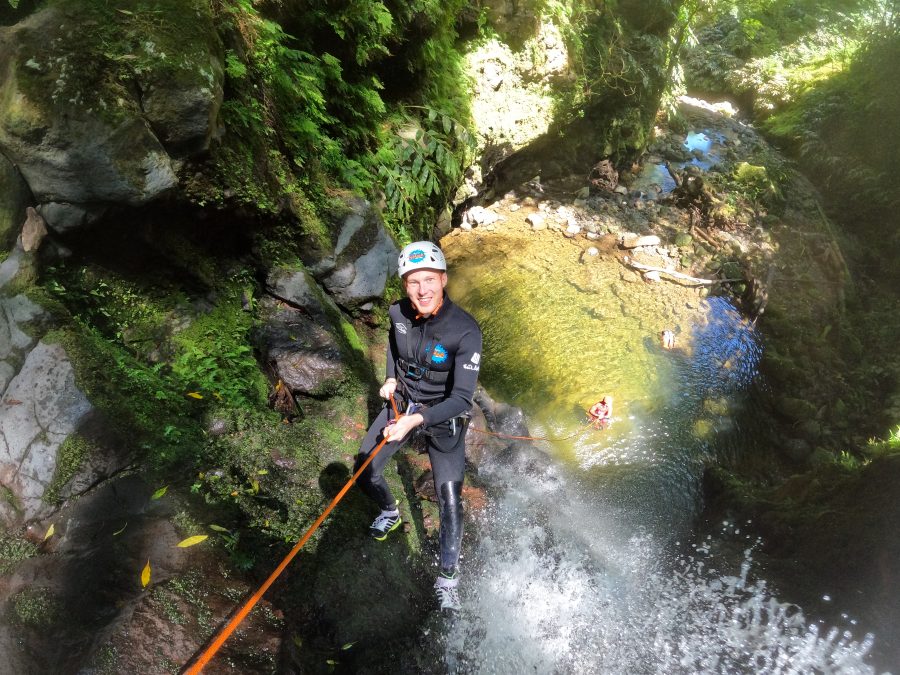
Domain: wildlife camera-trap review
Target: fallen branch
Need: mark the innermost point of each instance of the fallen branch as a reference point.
(707, 239)
(678, 275)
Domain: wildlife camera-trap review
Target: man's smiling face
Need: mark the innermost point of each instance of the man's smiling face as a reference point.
(425, 288)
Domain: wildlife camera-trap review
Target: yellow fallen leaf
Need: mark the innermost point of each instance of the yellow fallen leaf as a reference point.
(192, 541)
(217, 395)
(195, 394)
(50, 531)
(145, 575)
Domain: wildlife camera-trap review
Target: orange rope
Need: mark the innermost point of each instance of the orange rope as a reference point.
(216, 644)
(225, 633)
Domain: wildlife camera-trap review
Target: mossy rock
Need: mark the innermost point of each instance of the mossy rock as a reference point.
(683, 240)
(731, 270)
(79, 82)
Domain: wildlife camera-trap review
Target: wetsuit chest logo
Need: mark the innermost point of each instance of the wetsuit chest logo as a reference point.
(439, 354)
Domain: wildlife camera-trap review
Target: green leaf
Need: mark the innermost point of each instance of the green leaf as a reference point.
(159, 493)
(447, 123)
(219, 528)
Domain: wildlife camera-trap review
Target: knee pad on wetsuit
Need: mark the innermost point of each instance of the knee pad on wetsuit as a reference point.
(450, 502)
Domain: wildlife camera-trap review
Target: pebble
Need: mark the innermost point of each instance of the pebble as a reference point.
(536, 221)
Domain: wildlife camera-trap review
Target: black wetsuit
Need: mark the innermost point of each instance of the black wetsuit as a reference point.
(435, 361)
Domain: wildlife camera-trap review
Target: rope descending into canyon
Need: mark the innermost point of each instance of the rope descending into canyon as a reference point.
(216, 644)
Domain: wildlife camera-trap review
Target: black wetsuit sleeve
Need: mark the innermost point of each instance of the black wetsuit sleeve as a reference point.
(391, 369)
(465, 377)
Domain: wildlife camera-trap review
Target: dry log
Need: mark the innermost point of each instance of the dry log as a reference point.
(672, 273)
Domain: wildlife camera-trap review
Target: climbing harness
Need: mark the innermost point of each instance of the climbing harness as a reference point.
(216, 644)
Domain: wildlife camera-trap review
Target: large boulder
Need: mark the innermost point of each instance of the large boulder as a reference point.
(356, 271)
(94, 105)
(481, 445)
(297, 287)
(502, 417)
(303, 354)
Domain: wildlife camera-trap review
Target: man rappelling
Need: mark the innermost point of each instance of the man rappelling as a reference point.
(433, 357)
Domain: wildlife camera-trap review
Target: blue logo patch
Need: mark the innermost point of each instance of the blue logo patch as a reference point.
(417, 256)
(439, 355)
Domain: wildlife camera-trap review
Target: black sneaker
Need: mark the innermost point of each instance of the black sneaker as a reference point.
(447, 594)
(384, 524)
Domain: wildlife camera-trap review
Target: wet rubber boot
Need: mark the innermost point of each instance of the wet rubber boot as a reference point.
(451, 512)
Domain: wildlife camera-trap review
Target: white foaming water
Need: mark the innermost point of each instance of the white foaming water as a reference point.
(553, 587)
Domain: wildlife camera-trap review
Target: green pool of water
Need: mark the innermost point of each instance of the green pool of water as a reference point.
(562, 329)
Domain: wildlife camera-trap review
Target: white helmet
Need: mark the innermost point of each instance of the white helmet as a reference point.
(421, 255)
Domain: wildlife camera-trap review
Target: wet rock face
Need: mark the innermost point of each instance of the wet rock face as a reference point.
(41, 407)
(103, 620)
(88, 127)
(502, 417)
(356, 271)
(304, 355)
(14, 198)
(297, 287)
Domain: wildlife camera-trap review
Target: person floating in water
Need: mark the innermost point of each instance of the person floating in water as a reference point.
(601, 413)
(668, 339)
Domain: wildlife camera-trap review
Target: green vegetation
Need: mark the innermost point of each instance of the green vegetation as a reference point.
(190, 588)
(69, 459)
(36, 607)
(256, 465)
(821, 79)
(13, 550)
(312, 101)
(115, 49)
(423, 165)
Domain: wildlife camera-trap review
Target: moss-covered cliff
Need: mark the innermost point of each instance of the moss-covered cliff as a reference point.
(222, 185)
